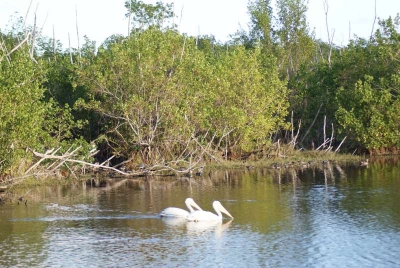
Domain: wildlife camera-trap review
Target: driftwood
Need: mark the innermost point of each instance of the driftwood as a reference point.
(58, 160)
(51, 163)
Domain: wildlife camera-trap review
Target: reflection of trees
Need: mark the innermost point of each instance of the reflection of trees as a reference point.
(326, 172)
(263, 200)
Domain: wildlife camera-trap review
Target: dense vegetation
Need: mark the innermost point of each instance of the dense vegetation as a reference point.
(156, 95)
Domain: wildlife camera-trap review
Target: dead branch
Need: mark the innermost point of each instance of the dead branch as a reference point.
(41, 160)
(330, 38)
(324, 128)
(62, 162)
(34, 32)
(26, 15)
(205, 150)
(54, 45)
(330, 142)
(66, 158)
(107, 162)
(323, 144)
(77, 31)
(4, 49)
(183, 49)
(292, 125)
(373, 24)
(294, 139)
(70, 50)
(129, 18)
(18, 46)
(337, 149)
(315, 118)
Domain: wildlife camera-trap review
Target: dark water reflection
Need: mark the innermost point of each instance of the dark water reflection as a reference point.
(322, 216)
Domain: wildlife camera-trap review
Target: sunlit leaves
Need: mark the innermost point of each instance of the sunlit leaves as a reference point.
(370, 113)
(157, 86)
(147, 15)
(21, 107)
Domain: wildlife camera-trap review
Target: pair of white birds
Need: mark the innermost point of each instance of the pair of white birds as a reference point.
(196, 215)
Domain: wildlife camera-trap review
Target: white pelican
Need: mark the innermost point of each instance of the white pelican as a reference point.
(178, 212)
(209, 216)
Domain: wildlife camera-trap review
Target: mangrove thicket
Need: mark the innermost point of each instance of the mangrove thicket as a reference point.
(164, 99)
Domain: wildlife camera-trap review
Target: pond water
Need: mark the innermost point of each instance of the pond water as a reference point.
(322, 216)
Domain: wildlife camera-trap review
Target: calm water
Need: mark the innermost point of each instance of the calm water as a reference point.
(336, 216)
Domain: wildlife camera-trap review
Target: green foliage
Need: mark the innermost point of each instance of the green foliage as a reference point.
(61, 122)
(27, 118)
(132, 86)
(157, 90)
(261, 22)
(62, 93)
(151, 94)
(22, 110)
(327, 89)
(147, 15)
(294, 38)
(368, 97)
(371, 114)
(249, 100)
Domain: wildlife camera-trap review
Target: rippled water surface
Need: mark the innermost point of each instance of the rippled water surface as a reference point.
(323, 216)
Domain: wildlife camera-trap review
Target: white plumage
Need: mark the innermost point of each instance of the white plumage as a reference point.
(181, 213)
(207, 215)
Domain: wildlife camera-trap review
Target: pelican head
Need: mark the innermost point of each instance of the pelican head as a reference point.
(218, 205)
(190, 203)
(207, 215)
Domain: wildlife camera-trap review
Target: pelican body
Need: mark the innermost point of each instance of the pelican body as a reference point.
(209, 216)
(181, 213)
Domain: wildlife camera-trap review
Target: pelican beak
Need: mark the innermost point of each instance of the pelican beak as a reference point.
(223, 210)
(193, 204)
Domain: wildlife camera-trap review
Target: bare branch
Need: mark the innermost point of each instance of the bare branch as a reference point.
(4, 49)
(294, 139)
(77, 32)
(70, 50)
(54, 45)
(324, 128)
(330, 38)
(333, 131)
(27, 12)
(51, 151)
(129, 18)
(315, 118)
(18, 46)
(373, 24)
(183, 49)
(337, 149)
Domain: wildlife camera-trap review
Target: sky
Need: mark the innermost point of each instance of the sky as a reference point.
(101, 19)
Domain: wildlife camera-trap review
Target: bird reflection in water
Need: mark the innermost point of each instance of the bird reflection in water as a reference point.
(198, 228)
